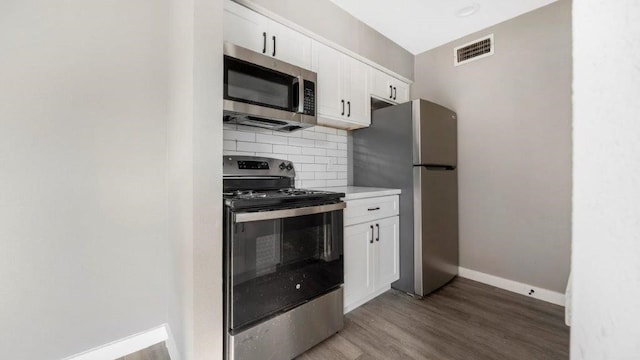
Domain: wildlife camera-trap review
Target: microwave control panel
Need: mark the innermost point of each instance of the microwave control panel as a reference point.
(309, 98)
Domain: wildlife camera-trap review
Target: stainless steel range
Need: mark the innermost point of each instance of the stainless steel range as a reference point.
(283, 262)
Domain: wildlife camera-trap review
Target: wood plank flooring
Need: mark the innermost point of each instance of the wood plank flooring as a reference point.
(463, 320)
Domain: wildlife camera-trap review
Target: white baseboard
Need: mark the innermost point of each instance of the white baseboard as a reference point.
(128, 345)
(513, 286)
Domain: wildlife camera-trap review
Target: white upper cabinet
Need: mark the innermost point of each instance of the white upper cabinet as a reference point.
(388, 88)
(256, 32)
(345, 84)
(289, 45)
(343, 99)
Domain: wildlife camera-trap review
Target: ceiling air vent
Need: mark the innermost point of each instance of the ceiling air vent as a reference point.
(473, 51)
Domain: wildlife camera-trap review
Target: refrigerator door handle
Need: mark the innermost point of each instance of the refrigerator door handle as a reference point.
(436, 167)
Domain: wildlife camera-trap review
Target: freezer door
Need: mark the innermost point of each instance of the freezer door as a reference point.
(435, 134)
(435, 227)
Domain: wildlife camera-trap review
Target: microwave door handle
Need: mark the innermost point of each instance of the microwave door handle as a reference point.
(300, 106)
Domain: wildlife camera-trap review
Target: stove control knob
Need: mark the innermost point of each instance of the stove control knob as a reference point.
(283, 166)
(289, 166)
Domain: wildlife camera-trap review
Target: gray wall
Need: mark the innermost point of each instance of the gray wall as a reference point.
(606, 174)
(514, 145)
(331, 22)
(83, 158)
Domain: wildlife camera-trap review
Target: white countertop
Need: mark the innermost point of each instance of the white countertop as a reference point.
(361, 192)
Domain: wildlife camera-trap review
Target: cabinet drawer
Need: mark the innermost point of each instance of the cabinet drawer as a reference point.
(363, 210)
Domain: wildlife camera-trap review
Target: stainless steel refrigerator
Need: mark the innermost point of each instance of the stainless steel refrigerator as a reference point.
(413, 147)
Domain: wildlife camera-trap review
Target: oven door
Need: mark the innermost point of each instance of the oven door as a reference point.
(280, 259)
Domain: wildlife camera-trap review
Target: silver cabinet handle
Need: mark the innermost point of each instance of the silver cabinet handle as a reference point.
(374, 208)
(378, 237)
(287, 213)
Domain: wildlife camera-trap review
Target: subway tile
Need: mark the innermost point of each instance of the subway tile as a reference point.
(314, 151)
(255, 147)
(343, 175)
(238, 135)
(229, 145)
(326, 130)
(280, 156)
(271, 155)
(342, 146)
(244, 153)
(313, 183)
(227, 126)
(337, 168)
(306, 134)
(301, 142)
(326, 144)
(271, 139)
(307, 159)
(337, 138)
(342, 161)
(337, 153)
(340, 182)
(341, 132)
(313, 167)
(286, 149)
(322, 160)
(326, 175)
(305, 175)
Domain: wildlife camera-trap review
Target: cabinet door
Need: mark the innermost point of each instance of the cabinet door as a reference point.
(290, 45)
(401, 92)
(380, 85)
(328, 64)
(387, 257)
(244, 27)
(358, 274)
(357, 95)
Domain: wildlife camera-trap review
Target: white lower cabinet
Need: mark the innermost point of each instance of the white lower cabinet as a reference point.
(371, 255)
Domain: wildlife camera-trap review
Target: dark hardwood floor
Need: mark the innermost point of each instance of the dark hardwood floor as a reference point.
(463, 320)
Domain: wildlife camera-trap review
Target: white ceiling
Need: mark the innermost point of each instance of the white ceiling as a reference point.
(421, 25)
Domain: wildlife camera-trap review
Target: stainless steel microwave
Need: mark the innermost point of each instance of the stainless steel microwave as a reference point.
(266, 92)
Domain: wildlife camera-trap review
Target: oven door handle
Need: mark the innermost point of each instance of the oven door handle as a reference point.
(287, 213)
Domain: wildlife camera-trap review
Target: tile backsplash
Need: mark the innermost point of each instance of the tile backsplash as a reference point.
(319, 154)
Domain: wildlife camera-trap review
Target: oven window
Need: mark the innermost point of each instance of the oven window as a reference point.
(250, 83)
(278, 264)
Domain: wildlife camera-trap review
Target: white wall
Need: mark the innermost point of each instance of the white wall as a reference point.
(514, 143)
(83, 159)
(606, 210)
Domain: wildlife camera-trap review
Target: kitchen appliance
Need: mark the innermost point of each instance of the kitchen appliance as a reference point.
(413, 146)
(265, 92)
(283, 261)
